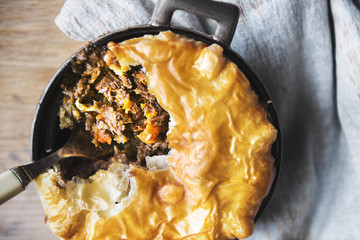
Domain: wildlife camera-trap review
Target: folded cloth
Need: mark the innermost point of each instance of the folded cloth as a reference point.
(85, 20)
(307, 53)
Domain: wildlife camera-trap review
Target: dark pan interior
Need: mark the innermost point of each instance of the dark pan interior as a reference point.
(46, 137)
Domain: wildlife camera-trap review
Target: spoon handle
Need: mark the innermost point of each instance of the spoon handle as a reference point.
(10, 186)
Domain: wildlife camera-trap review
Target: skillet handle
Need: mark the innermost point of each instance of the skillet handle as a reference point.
(226, 15)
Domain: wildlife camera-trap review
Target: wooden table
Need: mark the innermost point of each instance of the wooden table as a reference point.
(31, 49)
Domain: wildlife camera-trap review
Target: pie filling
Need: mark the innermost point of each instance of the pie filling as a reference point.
(118, 111)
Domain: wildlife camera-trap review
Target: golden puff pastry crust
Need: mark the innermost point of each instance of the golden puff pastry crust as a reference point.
(220, 166)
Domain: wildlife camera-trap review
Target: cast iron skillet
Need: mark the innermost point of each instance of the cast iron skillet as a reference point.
(46, 136)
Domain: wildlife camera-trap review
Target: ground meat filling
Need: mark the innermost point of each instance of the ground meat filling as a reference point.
(117, 110)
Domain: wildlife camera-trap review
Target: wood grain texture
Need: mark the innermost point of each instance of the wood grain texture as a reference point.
(31, 49)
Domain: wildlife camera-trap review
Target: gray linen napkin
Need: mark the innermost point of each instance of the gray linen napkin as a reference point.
(307, 53)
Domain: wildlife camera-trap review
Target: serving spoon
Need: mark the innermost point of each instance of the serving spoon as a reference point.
(15, 180)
